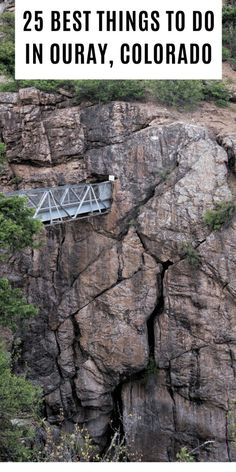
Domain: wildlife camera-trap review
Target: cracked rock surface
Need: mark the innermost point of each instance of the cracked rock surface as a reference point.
(116, 294)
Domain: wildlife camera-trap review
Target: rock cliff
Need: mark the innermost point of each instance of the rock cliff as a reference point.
(129, 331)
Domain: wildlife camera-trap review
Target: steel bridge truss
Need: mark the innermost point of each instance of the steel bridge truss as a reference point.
(53, 205)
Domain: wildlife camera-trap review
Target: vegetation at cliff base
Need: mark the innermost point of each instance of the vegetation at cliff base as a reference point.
(107, 90)
(178, 93)
(19, 398)
(19, 403)
(216, 91)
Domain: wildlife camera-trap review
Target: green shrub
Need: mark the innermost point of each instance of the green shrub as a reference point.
(2, 150)
(7, 25)
(17, 226)
(229, 15)
(7, 58)
(220, 216)
(7, 44)
(46, 85)
(229, 28)
(226, 54)
(19, 406)
(184, 455)
(191, 255)
(13, 306)
(19, 399)
(11, 86)
(107, 90)
(151, 367)
(179, 93)
(232, 62)
(2, 154)
(217, 91)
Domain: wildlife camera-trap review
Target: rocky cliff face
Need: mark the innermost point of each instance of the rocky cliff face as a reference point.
(128, 330)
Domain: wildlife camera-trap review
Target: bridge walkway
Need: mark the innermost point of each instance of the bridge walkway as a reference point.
(68, 202)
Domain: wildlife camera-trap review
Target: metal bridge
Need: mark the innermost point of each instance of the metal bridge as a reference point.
(53, 205)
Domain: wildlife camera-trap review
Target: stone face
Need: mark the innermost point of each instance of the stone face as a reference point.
(149, 409)
(121, 308)
(42, 139)
(120, 341)
(175, 216)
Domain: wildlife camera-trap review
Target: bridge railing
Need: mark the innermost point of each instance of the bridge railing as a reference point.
(69, 201)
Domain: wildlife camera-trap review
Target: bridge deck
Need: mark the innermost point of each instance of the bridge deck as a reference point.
(56, 204)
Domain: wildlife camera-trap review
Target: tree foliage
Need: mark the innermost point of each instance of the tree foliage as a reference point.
(7, 45)
(19, 402)
(107, 90)
(229, 31)
(217, 91)
(17, 227)
(19, 399)
(178, 93)
(13, 305)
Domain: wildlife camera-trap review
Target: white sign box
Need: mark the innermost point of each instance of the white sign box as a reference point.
(87, 39)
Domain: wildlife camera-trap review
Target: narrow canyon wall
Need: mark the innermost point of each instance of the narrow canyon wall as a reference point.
(124, 318)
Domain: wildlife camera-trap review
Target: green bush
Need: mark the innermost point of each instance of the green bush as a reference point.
(7, 58)
(217, 91)
(7, 44)
(13, 306)
(2, 154)
(150, 370)
(46, 85)
(19, 405)
(191, 255)
(184, 455)
(11, 86)
(226, 54)
(229, 28)
(107, 90)
(19, 399)
(178, 93)
(2, 150)
(17, 227)
(151, 367)
(229, 15)
(232, 62)
(220, 216)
